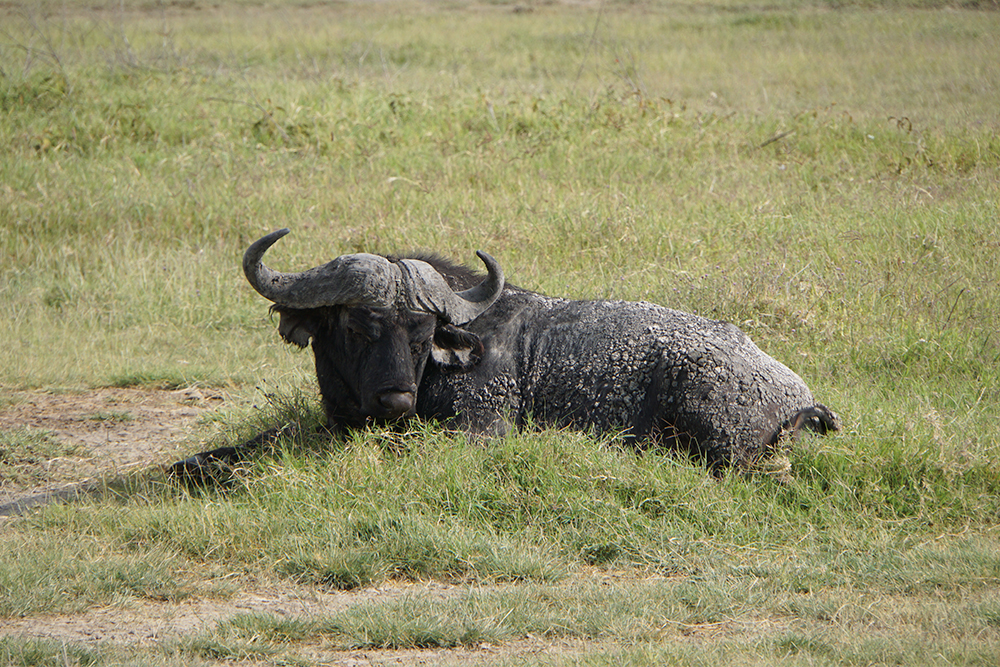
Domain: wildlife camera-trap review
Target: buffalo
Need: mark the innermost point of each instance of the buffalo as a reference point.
(420, 336)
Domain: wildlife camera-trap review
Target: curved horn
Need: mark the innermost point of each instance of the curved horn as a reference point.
(348, 280)
(426, 290)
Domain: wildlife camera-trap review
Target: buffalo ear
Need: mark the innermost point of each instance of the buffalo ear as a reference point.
(295, 326)
(456, 348)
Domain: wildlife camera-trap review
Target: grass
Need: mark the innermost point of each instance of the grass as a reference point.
(822, 174)
(641, 613)
(25, 455)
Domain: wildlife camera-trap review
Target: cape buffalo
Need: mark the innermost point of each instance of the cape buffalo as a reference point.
(394, 337)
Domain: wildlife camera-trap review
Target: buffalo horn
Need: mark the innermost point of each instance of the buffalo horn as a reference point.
(359, 279)
(426, 291)
(371, 280)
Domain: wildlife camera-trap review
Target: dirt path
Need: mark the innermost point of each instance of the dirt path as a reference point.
(138, 623)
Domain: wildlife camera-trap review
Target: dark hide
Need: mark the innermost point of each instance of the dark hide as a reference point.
(660, 377)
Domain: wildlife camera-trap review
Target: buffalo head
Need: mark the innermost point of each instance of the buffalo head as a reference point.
(373, 323)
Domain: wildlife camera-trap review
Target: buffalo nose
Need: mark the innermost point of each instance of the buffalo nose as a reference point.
(396, 403)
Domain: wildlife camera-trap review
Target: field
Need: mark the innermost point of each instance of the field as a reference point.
(826, 175)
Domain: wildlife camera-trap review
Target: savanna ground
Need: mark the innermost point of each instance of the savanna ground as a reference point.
(823, 174)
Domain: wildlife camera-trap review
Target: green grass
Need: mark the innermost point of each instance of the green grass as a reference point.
(822, 174)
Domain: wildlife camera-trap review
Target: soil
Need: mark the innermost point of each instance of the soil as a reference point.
(102, 433)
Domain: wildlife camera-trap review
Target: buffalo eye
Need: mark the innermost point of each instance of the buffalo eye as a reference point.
(417, 348)
(360, 332)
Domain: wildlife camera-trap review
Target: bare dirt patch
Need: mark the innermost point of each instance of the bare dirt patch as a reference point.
(142, 621)
(94, 435)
